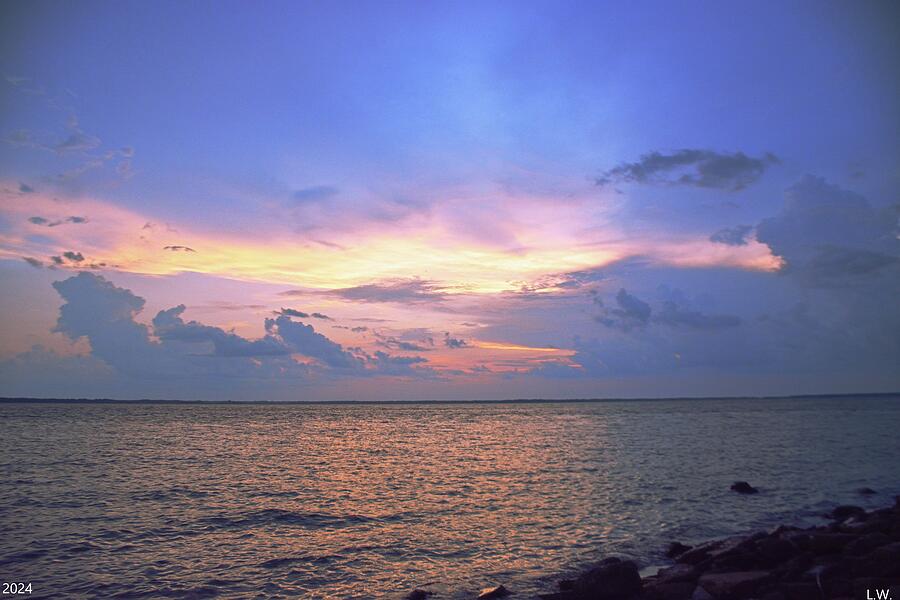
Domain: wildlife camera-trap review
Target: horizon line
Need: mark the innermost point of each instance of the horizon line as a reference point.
(31, 400)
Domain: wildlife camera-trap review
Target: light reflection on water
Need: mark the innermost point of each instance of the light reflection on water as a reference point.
(361, 501)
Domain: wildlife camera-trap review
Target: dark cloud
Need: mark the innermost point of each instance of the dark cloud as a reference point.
(829, 236)
(453, 343)
(76, 257)
(401, 366)
(314, 193)
(403, 291)
(178, 248)
(26, 189)
(33, 262)
(631, 312)
(677, 316)
(304, 340)
(48, 223)
(414, 340)
(290, 312)
(359, 329)
(732, 236)
(691, 167)
(169, 326)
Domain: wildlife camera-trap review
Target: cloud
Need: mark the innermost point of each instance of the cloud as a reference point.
(179, 249)
(314, 193)
(829, 236)
(290, 312)
(631, 312)
(677, 316)
(691, 167)
(48, 223)
(33, 262)
(169, 326)
(304, 340)
(453, 343)
(78, 142)
(403, 291)
(411, 340)
(398, 365)
(732, 236)
(105, 315)
(26, 189)
(74, 256)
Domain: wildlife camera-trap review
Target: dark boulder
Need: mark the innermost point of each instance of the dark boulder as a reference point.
(881, 562)
(612, 579)
(865, 491)
(493, 592)
(677, 574)
(845, 511)
(418, 594)
(801, 591)
(712, 550)
(733, 585)
(682, 590)
(829, 543)
(676, 549)
(775, 550)
(866, 543)
(742, 487)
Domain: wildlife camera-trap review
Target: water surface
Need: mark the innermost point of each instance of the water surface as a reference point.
(363, 501)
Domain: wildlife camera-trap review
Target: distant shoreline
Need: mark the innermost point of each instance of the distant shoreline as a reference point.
(147, 401)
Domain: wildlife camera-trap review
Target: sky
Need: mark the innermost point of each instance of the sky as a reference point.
(448, 200)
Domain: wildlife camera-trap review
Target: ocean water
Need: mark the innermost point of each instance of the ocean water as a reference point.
(373, 500)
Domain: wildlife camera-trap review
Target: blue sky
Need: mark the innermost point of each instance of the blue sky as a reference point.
(591, 199)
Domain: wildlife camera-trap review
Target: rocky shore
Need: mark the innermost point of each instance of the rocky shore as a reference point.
(855, 556)
(852, 557)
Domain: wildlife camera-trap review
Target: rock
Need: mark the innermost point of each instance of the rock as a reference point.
(493, 592)
(845, 511)
(677, 574)
(866, 543)
(801, 591)
(676, 548)
(733, 585)
(881, 562)
(711, 550)
(682, 590)
(418, 594)
(775, 550)
(742, 487)
(866, 491)
(795, 568)
(828, 543)
(700, 594)
(612, 579)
